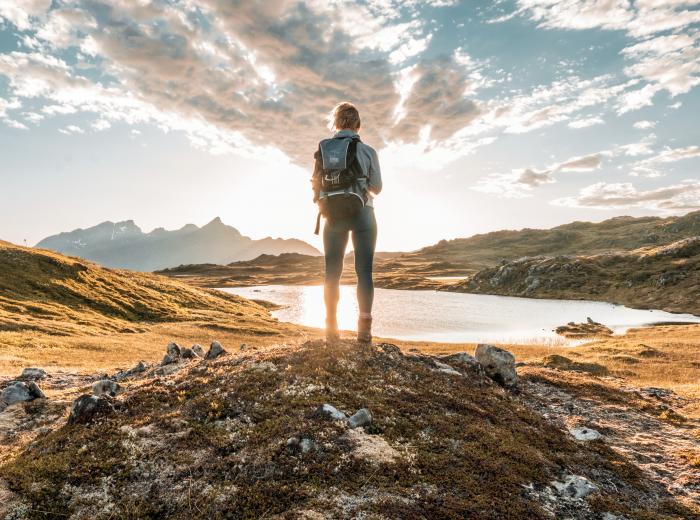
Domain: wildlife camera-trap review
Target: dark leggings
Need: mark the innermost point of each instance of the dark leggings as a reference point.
(335, 238)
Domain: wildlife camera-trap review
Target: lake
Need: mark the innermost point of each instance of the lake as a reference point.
(454, 317)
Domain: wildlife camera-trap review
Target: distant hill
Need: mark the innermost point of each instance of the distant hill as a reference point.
(578, 238)
(47, 292)
(124, 245)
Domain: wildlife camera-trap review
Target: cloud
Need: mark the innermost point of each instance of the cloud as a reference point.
(668, 62)
(644, 125)
(240, 76)
(520, 183)
(586, 122)
(20, 12)
(681, 197)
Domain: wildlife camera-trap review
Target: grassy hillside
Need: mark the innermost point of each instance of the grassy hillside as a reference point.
(50, 293)
(664, 277)
(578, 238)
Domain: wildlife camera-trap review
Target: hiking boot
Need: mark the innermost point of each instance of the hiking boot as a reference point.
(364, 329)
(332, 333)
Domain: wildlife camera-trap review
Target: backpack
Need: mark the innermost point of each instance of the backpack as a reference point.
(336, 171)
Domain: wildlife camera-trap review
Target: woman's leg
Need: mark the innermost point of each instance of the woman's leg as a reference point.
(364, 240)
(335, 240)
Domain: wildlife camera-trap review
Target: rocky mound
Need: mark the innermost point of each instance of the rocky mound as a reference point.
(587, 329)
(317, 431)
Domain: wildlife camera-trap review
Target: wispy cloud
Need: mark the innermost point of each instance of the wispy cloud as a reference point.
(681, 197)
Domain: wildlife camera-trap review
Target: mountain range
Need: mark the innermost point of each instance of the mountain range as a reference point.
(124, 245)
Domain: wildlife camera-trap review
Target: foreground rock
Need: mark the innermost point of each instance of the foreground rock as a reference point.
(498, 364)
(33, 373)
(87, 408)
(215, 350)
(20, 391)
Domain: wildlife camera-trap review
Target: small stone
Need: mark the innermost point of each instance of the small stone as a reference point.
(87, 408)
(33, 373)
(461, 357)
(215, 350)
(306, 445)
(447, 369)
(187, 353)
(138, 368)
(173, 349)
(168, 359)
(331, 412)
(243, 346)
(498, 364)
(105, 386)
(574, 486)
(198, 350)
(362, 417)
(585, 434)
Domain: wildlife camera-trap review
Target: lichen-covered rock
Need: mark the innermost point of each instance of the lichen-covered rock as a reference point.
(574, 486)
(198, 350)
(461, 357)
(303, 445)
(498, 364)
(105, 386)
(215, 350)
(87, 408)
(330, 412)
(21, 391)
(362, 417)
(137, 369)
(173, 349)
(585, 434)
(33, 373)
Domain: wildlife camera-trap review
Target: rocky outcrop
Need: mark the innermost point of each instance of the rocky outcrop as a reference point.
(583, 330)
(498, 364)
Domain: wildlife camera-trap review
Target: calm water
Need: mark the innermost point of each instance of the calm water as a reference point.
(454, 317)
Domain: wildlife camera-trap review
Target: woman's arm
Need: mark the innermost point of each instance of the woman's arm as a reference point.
(375, 173)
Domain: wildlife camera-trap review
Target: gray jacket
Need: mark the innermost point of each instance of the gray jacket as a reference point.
(369, 162)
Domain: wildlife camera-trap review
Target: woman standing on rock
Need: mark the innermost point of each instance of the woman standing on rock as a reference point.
(345, 180)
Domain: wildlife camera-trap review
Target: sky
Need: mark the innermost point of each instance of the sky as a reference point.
(485, 115)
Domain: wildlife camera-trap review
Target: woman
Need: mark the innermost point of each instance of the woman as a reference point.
(344, 119)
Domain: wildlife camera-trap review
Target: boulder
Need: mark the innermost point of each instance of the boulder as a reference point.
(198, 350)
(33, 373)
(362, 417)
(330, 412)
(168, 359)
(498, 364)
(20, 391)
(187, 353)
(574, 486)
(173, 349)
(215, 350)
(87, 408)
(106, 386)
